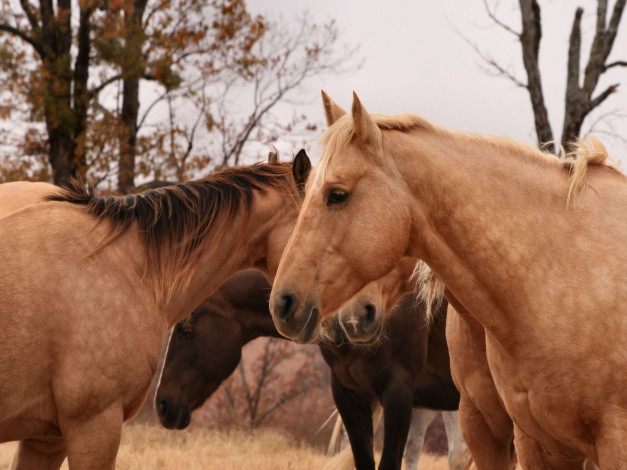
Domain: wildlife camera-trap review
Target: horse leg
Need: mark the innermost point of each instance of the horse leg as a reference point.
(612, 445)
(42, 454)
(397, 410)
(457, 449)
(356, 413)
(420, 420)
(532, 457)
(488, 451)
(93, 444)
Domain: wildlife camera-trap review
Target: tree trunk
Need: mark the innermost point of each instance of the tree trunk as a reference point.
(530, 42)
(133, 70)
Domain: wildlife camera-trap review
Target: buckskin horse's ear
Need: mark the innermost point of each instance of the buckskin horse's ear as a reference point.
(301, 168)
(365, 128)
(273, 155)
(331, 110)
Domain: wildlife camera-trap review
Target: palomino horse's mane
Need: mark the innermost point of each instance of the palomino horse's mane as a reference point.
(588, 151)
(428, 288)
(173, 220)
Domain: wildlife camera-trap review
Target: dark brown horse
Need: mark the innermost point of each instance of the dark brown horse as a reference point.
(408, 368)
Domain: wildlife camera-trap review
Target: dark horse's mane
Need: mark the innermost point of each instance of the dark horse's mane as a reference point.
(172, 220)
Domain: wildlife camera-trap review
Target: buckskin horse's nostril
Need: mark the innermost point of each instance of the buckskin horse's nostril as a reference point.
(286, 306)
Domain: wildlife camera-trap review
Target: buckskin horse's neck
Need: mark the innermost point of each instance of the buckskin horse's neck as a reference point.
(479, 214)
(236, 244)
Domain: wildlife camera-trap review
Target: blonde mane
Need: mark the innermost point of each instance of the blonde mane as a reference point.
(429, 289)
(589, 151)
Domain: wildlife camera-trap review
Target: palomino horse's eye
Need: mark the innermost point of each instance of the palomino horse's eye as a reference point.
(336, 196)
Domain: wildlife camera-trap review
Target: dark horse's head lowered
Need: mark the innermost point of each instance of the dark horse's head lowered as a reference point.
(193, 368)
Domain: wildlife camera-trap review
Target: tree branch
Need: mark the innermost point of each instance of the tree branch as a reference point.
(599, 99)
(492, 16)
(601, 45)
(574, 56)
(25, 37)
(618, 63)
(30, 15)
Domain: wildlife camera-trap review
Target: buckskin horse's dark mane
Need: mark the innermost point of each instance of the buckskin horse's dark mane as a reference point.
(172, 220)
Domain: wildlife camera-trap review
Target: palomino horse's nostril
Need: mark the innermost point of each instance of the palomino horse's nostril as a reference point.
(371, 313)
(286, 306)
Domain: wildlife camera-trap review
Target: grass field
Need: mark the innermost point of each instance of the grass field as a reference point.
(149, 447)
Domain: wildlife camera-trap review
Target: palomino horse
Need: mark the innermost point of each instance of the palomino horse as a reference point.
(530, 245)
(89, 290)
(409, 368)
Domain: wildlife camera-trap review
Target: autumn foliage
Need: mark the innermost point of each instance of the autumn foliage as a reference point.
(134, 92)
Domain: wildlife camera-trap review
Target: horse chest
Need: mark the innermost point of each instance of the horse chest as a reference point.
(537, 401)
(359, 376)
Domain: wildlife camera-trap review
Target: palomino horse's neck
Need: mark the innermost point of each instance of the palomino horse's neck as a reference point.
(480, 209)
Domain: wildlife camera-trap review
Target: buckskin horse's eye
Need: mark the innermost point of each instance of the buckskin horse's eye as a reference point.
(336, 196)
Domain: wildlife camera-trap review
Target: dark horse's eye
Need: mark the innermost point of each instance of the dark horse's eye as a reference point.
(184, 329)
(336, 196)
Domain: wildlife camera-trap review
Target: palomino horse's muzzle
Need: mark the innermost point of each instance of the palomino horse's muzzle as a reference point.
(294, 320)
(362, 323)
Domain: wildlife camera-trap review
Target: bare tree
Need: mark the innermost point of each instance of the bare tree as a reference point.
(581, 94)
(221, 116)
(274, 379)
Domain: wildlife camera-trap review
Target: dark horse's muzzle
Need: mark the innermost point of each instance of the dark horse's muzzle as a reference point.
(173, 415)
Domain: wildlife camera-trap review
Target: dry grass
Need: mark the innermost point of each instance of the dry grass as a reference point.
(151, 447)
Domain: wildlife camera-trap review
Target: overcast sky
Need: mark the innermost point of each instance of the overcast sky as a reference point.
(417, 61)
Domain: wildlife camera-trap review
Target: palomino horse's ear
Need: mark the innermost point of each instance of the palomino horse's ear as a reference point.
(273, 155)
(301, 168)
(331, 110)
(365, 128)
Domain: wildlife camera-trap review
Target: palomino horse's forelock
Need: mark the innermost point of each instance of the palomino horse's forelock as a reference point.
(340, 134)
(588, 151)
(173, 220)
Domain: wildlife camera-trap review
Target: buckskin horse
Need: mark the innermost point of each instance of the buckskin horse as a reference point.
(19, 194)
(531, 246)
(409, 368)
(91, 285)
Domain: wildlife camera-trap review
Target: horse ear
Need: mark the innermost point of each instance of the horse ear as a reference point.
(273, 155)
(331, 110)
(301, 168)
(365, 128)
